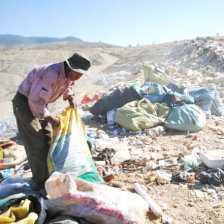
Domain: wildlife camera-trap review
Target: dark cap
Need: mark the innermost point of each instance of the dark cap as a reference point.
(78, 63)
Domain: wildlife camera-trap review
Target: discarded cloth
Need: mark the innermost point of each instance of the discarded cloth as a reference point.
(116, 99)
(12, 186)
(19, 213)
(26, 209)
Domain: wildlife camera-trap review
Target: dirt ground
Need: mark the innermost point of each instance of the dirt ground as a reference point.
(183, 202)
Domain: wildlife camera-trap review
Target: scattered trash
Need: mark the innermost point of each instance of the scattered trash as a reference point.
(179, 177)
(166, 219)
(6, 173)
(213, 158)
(163, 177)
(150, 166)
(111, 117)
(212, 176)
(191, 162)
(195, 137)
(152, 177)
(157, 211)
(8, 128)
(120, 156)
(85, 99)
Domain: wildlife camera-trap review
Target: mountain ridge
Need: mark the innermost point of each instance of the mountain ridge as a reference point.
(8, 40)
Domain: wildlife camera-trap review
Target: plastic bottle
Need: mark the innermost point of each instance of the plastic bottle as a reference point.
(111, 117)
(157, 211)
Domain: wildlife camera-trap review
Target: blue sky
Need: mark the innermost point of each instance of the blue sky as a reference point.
(119, 22)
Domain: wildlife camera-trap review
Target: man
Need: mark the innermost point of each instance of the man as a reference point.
(44, 85)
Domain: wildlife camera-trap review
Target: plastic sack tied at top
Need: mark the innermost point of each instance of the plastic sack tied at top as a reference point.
(69, 152)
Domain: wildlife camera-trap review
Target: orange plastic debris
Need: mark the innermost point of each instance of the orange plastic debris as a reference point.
(85, 99)
(96, 97)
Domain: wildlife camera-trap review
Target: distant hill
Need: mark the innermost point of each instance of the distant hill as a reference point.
(9, 40)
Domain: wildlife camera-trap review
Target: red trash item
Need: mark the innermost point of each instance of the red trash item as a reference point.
(96, 97)
(195, 137)
(85, 99)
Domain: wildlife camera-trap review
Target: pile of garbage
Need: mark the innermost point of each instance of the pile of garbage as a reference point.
(159, 100)
(204, 54)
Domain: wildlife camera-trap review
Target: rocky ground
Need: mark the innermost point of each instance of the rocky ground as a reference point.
(192, 63)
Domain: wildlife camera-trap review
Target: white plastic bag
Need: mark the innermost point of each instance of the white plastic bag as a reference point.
(156, 75)
(96, 203)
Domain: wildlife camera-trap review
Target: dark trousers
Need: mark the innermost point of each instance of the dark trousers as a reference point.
(36, 136)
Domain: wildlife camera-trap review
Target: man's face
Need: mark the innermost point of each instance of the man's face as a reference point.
(72, 75)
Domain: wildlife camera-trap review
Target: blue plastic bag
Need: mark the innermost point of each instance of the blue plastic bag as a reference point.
(154, 92)
(208, 99)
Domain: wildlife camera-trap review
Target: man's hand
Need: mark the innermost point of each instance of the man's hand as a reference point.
(55, 122)
(72, 102)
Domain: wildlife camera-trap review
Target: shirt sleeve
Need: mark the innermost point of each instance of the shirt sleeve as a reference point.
(69, 91)
(40, 94)
(38, 108)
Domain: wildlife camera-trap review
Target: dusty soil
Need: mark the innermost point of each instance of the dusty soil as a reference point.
(183, 202)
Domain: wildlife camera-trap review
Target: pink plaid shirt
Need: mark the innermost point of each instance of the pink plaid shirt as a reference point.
(44, 85)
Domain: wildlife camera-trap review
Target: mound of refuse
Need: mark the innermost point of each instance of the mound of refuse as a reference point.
(205, 54)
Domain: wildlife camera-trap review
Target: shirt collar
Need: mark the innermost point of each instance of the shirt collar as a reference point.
(63, 74)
